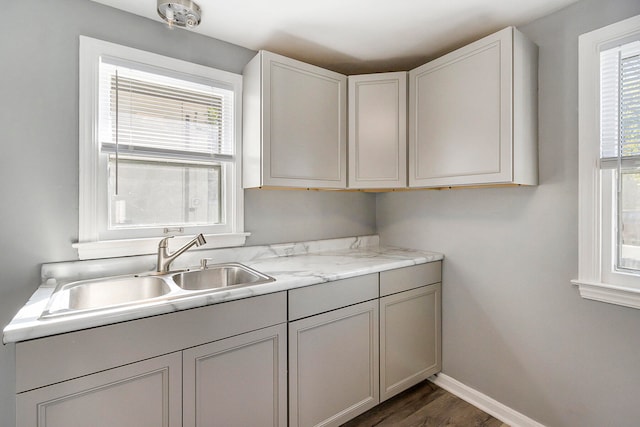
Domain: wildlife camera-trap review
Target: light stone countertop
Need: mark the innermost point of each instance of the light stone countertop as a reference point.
(293, 265)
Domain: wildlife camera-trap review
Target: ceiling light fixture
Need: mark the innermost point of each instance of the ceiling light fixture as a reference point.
(181, 13)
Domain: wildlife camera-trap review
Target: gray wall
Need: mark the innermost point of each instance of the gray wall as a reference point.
(513, 326)
(294, 216)
(39, 162)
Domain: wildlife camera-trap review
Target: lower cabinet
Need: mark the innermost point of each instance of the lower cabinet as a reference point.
(348, 345)
(238, 381)
(356, 342)
(218, 365)
(333, 366)
(147, 393)
(409, 338)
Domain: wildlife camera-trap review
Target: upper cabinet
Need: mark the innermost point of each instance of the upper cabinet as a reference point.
(378, 130)
(473, 115)
(472, 121)
(294, 124)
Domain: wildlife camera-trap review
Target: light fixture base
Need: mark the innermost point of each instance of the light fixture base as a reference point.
(180, 13)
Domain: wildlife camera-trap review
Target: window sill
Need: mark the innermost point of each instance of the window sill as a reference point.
(129, 247)
(612, 294)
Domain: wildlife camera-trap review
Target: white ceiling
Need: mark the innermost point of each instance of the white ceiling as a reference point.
(354, 36)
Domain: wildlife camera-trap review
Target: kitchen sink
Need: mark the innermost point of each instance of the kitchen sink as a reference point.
(219, 276)
(137, 290)
(104, 293)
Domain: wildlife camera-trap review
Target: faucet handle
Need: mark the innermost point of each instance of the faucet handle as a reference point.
(164, 243)
(204, 262)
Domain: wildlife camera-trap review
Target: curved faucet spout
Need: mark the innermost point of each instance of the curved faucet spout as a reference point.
(165, 258)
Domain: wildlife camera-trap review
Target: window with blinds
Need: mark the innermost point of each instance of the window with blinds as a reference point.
(158, 150)
(155, 114)
(168, 140)
(620, 103)
(620, 145)
(609, 163)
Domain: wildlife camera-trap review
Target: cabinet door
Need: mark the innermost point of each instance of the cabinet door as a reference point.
(410, 342)
(147, 393)
(378, 130)
(304, 124)
(333, 366)
(238, 381)
(461, 116)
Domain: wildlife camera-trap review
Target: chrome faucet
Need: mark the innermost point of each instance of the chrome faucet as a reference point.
(165, 258)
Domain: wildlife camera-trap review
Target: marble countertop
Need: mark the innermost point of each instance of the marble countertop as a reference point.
(292, 265)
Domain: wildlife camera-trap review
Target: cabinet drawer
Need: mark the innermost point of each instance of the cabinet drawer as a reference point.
(403, 279)
(328, 296)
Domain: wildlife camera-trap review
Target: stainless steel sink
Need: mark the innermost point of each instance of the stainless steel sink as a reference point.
(105, 293)
(219, 276)
(113, 292)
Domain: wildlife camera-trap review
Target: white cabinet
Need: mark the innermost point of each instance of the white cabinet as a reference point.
(238, 381)
(333, 351)
(147, 393)
(294, 124)
(472, 120)
(131, 373)
(342, 361)
(378, 130)
(473, 115)
(333, 366)
(410, 327)
(350, 344)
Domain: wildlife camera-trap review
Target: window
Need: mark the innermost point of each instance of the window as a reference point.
(609, 160)
(158, 144)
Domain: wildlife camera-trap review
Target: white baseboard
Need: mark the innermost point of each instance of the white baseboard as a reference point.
(484, 402)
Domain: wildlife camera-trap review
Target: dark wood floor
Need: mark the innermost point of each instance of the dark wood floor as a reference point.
(425, 405)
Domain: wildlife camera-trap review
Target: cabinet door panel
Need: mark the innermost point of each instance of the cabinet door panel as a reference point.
(410, 349)
(304, 110)
(333, 366)
(378, 130)
(147, 393)
(238, 381)
(461, 116)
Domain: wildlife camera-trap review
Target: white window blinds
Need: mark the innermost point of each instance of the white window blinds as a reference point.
(620, 105)
(149, 112)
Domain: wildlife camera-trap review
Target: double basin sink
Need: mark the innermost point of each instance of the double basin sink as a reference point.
(123, 291)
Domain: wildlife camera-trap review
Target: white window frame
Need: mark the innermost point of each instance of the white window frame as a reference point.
(597, 278)
(92, 170)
